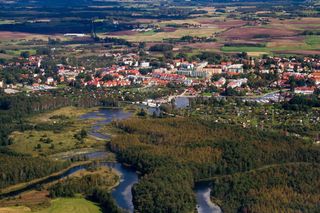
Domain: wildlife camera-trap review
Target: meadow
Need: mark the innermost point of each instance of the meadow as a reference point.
(54, 132)
(60, 205)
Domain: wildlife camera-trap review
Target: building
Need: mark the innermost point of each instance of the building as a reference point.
(234, 68)
(237, 83)
(50, 81)
(213, 69)
(144, 64)
(316, 77)
(304, 90)
(219, 83)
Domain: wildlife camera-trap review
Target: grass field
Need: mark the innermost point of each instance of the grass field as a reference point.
(71, 205)
(313, 40)
(18, 52)
(159, 36)
(38, 200)
(60, 205)
(61, 139)
(8, 21)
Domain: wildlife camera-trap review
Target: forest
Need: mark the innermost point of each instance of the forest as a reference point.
(94, 187)
(16, 168)
(288, 188)
(175, 153)
(14, 110)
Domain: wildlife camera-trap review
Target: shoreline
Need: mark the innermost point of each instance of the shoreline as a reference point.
(20, 186)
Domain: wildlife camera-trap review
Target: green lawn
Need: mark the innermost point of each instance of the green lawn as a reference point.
(71, 205)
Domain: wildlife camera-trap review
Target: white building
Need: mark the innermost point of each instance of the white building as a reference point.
(145, 64)
(235, 68)
(237, 83)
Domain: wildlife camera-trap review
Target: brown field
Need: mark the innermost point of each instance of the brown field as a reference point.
(299, 24)
(299, 52)
(287, 41)
(144, 20)
(17, 209)
(31, 199)
(169, 29)
(7, 35)
(243, 33)
(122, 33)
(223, 24)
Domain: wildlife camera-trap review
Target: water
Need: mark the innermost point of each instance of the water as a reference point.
(204, 204)
(122, 193)
(107, 115)
(45, 181)
(182, 102)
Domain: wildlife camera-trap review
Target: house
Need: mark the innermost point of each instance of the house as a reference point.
(207, 71)
(214, 69)
(145, 64)
(50, 81)
(187, 66)
(234, 68)
(11, 91)
(316, 77)
(219, 83)
(1, 84)
(169, 77)
(304, 90)
(237, 83)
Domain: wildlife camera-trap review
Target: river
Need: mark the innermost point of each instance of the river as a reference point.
(122, 193)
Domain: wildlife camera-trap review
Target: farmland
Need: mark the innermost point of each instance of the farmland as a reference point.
(279, 36)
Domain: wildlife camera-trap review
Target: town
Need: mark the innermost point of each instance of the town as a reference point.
(162, 106)
(258, 79)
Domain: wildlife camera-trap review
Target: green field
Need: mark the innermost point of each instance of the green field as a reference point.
(60, 205)
(7, 21)
(71, 205)
(18, 52)
(62, 139)
(313, 40)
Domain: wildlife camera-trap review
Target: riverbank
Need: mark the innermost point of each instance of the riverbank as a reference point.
(55, 132)
(39, 198)
(121, 192)
(6, 191)
(93, 118)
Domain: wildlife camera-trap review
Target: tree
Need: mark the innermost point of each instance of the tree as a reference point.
(25, 54)
(142, 113)
(108, 78)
